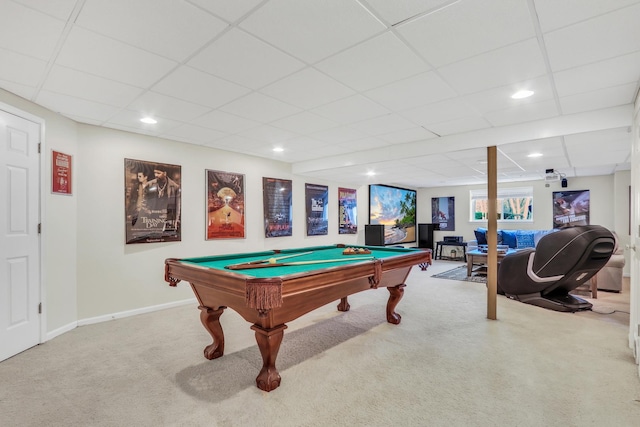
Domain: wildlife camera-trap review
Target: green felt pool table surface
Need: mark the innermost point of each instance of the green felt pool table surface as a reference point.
(315, 255)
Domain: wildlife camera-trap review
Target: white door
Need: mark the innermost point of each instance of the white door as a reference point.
(19, 237)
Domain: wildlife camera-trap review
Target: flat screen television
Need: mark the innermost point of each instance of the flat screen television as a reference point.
(395, 208)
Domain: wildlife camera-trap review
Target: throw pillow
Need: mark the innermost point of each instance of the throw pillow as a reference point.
(481, 236)
(525, 240)
(509, 238)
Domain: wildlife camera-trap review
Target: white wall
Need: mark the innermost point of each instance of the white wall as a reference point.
(115, 277)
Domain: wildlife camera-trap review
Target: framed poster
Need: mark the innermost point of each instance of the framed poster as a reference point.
(317, 202)
(395, 208)
(347, 211)
(570, 208)
(60, 173)
(276, 196)
(443, 212)
(152, 201)
(225, 205)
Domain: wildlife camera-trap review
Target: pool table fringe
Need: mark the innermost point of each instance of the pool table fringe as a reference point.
(264, 295)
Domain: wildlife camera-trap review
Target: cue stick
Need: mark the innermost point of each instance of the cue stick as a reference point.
(274, 259)
(284, 264)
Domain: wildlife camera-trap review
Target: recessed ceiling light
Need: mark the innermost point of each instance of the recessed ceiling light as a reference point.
(534, 155)
(148, 120)
(371, 173)
(278, 149)
(522, 94)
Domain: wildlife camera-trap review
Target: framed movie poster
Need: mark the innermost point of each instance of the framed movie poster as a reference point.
(225, 205)
(443, 212)
(348, 211)
(276, 195)
(317, 202)
(570, 208)
(152, 201)
(60, 173)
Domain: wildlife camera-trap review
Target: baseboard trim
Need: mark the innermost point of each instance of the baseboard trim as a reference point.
(135, 312)
(62, 330)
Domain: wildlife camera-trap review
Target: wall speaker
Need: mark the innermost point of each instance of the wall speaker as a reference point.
(564, 182)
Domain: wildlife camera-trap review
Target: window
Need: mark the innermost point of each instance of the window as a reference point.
(514, 204)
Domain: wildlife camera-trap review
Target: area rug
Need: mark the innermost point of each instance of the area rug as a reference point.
(460, 273)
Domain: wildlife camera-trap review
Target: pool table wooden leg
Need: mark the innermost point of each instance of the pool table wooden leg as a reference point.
(344, 304)
(396, 294)
(210, 319)
(269, 344)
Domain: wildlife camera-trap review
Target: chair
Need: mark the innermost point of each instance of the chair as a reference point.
(609, 278)
(560, 262)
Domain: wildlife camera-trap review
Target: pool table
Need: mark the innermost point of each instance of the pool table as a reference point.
(270, 288)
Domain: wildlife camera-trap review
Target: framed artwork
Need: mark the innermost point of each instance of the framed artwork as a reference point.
(61, 173)
(225, 205)
(395, 208)
(152, 201)
(347, 211)
(443, 212)
(276, 196)
(570, 208)
(317, 203)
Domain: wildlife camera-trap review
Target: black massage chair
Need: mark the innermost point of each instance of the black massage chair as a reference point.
(560, 262)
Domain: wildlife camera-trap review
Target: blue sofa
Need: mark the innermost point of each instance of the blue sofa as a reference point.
(515, 239)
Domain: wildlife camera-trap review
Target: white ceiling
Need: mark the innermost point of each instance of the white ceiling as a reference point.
(413, 90)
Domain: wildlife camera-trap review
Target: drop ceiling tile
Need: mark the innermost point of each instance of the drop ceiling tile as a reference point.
(352, 109)
(90, 87)
(376, 62)
(307, 89)
(416, 133)
(607, 36)
(339, 135)
(461, 125)
(416, 91)
(599, 75)
(466, 29)
(523, 113)
(305, 123)
(599, 99)
(618, 139)
(268, 134)
(131, 120)
(60, 9)
(192, 134)
(75, 107)
(511, 64)
(440, 112)
(500, 98)
(260, 108)
(173, 29)
(230, 10)
(92, 53)
(225, 122)
(194, 86)
(384, 124)
(367, 143)
(309, 30)
(27, 92)
(155, 104)
(25, 70)
(399, 10)
(554, 14)
(28, 31)
(243, 59)
(595, 170)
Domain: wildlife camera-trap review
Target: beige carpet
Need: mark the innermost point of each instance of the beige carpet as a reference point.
(444, 365)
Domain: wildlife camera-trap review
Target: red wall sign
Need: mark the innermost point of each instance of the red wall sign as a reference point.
(61, 173)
